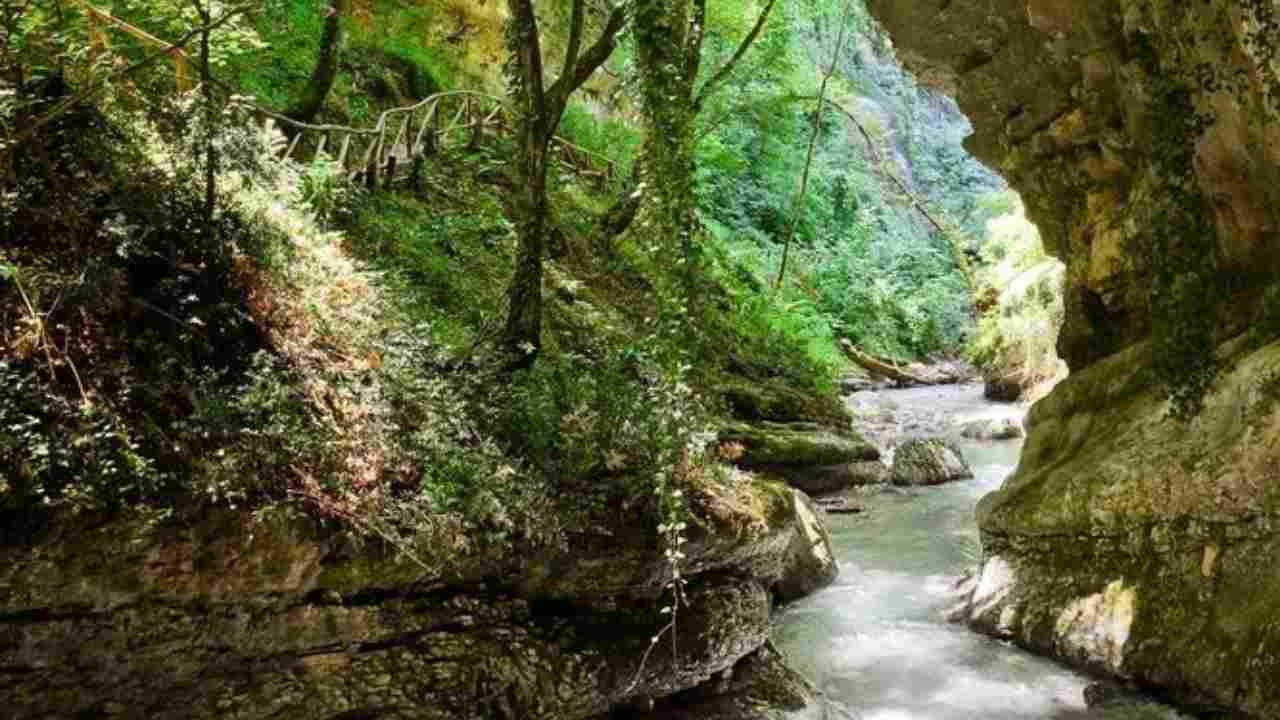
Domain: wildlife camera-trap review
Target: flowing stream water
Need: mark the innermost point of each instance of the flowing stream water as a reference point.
(876, 642)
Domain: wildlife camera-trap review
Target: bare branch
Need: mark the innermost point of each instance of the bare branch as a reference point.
(591, 60)
(722, 74)
(576, 22)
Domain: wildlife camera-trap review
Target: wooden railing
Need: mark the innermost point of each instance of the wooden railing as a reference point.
(391, 149)
(397, 144)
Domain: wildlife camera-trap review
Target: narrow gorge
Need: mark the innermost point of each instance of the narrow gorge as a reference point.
(1143, 137)
(604, 359)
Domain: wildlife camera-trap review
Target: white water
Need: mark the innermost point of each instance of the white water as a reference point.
(875, 642)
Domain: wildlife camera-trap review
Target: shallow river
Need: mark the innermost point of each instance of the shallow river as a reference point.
(875, 642)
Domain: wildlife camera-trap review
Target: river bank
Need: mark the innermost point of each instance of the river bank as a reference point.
(877, 642)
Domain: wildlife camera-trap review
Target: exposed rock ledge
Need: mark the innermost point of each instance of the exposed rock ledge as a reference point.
(1140, 553)
(133, 618)
(1144, 137)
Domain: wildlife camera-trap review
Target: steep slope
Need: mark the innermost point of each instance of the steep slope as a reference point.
(267, 467)
(1143, 136)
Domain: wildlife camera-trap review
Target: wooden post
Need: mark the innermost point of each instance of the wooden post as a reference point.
(477, 128)
(289, 152)
(389, 178)
(342, 154)
(432, 128)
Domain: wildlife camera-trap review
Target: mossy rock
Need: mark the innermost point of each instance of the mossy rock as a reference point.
(796, 445)
(775, 401)
(929, 461)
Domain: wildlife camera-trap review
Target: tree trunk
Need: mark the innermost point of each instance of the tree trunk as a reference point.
(326, 70)
(523, 335)
(668, 49)
(887, 369)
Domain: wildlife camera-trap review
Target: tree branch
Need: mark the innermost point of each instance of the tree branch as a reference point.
(62, 107)
(722, 74)
(576, 22)
(798, 204)
(693, 46)
(591, 60)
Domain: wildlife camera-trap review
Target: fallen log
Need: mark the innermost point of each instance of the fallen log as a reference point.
(889, 370)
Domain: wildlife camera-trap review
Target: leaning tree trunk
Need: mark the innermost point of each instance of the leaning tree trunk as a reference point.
(326, 70)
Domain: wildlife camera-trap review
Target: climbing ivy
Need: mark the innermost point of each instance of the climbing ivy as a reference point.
(1184, 291)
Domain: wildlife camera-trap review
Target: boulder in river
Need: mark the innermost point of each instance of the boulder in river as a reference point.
(816, 459)
(928, 461)
(811, 563)
(1002, 389)
(992, 429)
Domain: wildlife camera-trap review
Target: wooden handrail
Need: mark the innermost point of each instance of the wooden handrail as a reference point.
(374, 157)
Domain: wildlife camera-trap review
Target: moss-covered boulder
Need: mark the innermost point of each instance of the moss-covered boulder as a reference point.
(1141, 546)
(813, 458)
(774, 400)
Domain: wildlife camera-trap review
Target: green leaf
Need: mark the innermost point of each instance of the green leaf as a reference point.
(8, 272)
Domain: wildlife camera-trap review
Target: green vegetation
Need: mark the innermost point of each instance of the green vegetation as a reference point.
(341, 348)
(1016, 335)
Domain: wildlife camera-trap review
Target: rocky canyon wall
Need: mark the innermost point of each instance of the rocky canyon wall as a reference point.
(145, 617)
(1144, 136)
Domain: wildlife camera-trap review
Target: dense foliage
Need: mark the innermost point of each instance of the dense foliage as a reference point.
(314, 342)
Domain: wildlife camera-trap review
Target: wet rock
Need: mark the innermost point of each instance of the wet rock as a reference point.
(930, 461)
(1099, 694)
(1002, 389)
(760, 687)
(811, 562)
(840, 505)
(992, 429)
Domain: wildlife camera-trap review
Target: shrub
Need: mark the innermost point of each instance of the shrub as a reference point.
(624, 414)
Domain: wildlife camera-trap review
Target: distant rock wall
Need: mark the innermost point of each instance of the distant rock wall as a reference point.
(1144, 136)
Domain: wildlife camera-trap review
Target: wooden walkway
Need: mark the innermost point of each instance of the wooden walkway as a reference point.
(398, 144)
(392, 149)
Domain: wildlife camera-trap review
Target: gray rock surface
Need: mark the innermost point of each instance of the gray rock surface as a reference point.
(928, 461)
(992, 429)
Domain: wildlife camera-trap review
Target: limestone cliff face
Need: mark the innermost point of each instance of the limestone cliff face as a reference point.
(138, 617)
(1144, 136)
